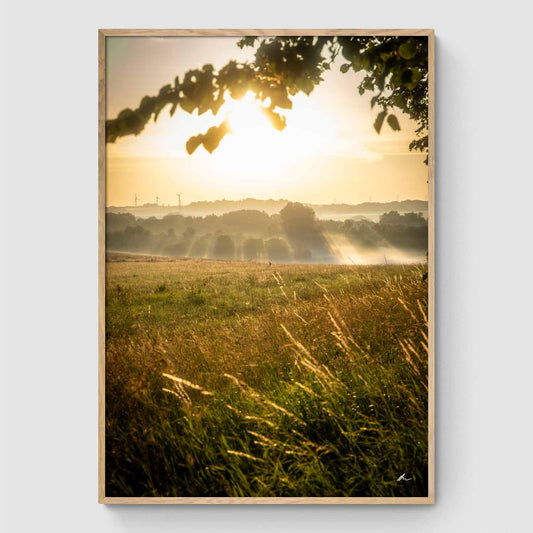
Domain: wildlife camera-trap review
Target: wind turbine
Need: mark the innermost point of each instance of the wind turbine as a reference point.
(178, 194)
(136, 199)
(156, 200)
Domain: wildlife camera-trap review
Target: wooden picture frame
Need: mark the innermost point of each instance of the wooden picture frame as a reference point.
(102, 36)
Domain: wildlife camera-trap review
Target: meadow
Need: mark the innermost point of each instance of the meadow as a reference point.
(236, 378)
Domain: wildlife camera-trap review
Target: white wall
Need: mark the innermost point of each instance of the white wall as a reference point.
(484, 284)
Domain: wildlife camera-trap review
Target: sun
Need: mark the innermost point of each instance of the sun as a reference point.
(246, 118)
(255, 152)
(254, 159)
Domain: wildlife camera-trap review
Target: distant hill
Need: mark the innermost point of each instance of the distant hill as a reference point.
(371, 208)
(324, 211)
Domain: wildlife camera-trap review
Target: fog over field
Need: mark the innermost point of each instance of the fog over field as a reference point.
(282, 232)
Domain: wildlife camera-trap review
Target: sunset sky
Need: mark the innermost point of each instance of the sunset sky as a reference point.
(329, 151)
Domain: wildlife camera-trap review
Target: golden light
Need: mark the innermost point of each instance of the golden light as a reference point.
(308, 131)
(245, 117)
(261, 159)
(255, 159)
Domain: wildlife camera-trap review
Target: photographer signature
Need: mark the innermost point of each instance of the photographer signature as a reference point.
(403, 478)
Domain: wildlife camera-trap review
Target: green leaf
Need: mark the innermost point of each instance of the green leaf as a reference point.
(165, 89)
(399, 101)
(379, 120)
(187, 105)
(193, 143)
(345, 68)
(211, 139)
(407, 50)
(279, 98)
(357, 63)
(410, 77)
(393, 122)
(305, 85)
(159, 107)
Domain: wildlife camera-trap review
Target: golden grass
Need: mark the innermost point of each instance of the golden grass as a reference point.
(236, 379)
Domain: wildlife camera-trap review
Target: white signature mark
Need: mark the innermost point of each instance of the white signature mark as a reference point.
(403, 478)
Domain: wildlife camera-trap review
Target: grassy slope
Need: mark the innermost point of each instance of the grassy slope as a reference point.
(296, 380)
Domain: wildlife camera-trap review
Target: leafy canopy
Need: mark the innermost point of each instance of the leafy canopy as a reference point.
(395, 71)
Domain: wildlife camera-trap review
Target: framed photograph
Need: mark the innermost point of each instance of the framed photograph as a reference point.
(266, 260)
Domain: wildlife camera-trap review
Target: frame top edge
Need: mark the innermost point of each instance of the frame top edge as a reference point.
(228, 32)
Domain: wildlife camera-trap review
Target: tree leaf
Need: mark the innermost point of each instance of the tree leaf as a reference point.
(399, 101)
(306, 85)
(193, 143)
(187, 105)
(407, 50)
(410, 77)
(379, 120)
(278, 121)
(393, 122)
(398, 64)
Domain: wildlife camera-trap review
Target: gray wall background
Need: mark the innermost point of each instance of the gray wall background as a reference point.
(484, 288)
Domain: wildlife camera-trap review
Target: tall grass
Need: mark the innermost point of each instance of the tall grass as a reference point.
(317, 387)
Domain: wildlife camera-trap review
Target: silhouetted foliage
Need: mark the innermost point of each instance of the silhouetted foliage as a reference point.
(252, 249)
(395, 72)
(178, 249)
(224, 247)
(407, 219)
(294, 235)
(189, 234)
(245, 220)
(118, 221)
(297, 218)
(300, 225)
(278, 250)
(199, 247)
(408, 231)
(133, 238)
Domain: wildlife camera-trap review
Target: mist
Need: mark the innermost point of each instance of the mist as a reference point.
(292, 235)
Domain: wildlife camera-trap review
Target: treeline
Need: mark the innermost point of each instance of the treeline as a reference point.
(407, 232)
(292, 235)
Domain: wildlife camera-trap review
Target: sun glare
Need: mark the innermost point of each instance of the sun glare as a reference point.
(308, 128)
(245, 116)
(255, 152)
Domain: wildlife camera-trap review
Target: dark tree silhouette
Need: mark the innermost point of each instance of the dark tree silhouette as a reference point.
(395, 72)
(199, 247)
(407, 219)
(252, 248)
(278, 250)
(297, 218)
(300, 225)
(133, 238)
(224, 247)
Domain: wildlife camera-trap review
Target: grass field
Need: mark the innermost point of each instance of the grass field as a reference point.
(239, 379)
